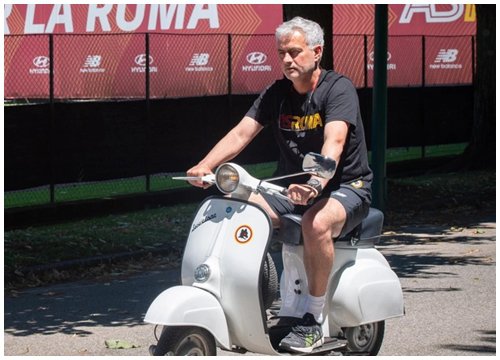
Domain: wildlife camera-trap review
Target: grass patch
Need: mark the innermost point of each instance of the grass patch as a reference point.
(105, 189)
(160, 182)
(148, 229)
(438, 198)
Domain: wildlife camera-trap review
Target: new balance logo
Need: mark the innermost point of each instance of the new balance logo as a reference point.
(199, 62)
(199, 59)
(446, 59)
(93, 61)
(446, 56)
(92, 64)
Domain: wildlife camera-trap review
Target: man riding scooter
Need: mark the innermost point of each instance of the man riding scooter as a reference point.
(311, 110)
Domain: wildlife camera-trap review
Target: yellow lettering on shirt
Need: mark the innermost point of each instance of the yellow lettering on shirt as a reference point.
(300, 123)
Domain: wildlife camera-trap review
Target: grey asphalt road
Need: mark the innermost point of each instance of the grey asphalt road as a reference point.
(448, 278)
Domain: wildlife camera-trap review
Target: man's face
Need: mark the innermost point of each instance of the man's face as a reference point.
(297, 59)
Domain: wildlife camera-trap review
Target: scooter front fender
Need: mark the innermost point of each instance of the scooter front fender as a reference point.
(190, 306)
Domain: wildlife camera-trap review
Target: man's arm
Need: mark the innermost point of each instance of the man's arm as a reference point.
(335, 136)
(227, 148)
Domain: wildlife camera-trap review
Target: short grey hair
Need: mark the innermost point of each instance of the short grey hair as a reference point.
(313, 33)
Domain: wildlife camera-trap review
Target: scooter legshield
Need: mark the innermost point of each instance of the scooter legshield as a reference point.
(190, 306)
(230, 237)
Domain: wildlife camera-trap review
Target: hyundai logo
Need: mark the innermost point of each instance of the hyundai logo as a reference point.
(256, 58)
(41, 61)
(371, 56)
(141, 59)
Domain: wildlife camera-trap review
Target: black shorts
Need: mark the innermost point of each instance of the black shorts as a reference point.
(355, 197)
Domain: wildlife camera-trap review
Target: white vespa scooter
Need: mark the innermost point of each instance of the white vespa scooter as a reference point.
(229, 281)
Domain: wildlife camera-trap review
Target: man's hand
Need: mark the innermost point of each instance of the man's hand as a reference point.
(301, 194)
(199, 171)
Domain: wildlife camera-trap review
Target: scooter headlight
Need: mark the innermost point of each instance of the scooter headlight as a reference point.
(202, 273)
(227, 178)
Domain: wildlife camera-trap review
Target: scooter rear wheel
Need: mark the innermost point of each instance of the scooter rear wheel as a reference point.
(185, 341)
(365, 339)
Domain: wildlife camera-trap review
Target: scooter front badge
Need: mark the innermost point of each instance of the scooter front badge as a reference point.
(243, 234)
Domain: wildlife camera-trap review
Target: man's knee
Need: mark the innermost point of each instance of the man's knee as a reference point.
(327, 221)
(259, 200)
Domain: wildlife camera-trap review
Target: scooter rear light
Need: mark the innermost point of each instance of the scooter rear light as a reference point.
(227, 178)
(202, 273)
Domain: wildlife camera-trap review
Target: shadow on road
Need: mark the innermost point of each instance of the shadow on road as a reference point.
(484, 336)
(75, 308)
(422, 262)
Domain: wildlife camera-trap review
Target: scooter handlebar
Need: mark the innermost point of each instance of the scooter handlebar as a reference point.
(209, 179)
(274, 190)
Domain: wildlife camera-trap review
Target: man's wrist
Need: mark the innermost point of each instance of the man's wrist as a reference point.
(316, 185)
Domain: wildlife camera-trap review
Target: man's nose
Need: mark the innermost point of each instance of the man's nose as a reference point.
(287, 58)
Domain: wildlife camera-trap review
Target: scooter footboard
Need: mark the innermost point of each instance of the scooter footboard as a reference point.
(366, 293)
(190, 306)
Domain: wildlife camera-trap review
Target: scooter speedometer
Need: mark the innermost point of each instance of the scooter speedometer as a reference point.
(227, 178)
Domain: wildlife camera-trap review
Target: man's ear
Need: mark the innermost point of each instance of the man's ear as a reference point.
(318, 52)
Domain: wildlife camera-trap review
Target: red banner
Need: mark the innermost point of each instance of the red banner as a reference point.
(448, 61)
(125, 18)
(408, 19)
(100, 50)
(404, 61)
(29, 56)
(448, 57)
(349, 57)
(199, 69)
(256, 64)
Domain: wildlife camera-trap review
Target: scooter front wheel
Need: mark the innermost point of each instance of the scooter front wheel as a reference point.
(365, 339)
(185, 341)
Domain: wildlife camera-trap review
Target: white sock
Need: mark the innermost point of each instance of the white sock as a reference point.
(315, 305)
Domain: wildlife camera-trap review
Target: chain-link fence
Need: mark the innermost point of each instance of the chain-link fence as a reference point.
(58, 155)
(114, 66)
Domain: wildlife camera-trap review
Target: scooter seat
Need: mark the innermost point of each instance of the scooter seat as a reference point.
(366, 234)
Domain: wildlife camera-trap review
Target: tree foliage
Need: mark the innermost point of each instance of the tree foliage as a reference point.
(481, 150)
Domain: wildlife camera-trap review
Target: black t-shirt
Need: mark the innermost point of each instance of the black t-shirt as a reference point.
(298, 123)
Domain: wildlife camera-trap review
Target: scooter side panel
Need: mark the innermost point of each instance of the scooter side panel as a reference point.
(367, 291)
(190, 306)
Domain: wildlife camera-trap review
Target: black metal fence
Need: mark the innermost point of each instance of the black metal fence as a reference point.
(63, 149)
(157, 66)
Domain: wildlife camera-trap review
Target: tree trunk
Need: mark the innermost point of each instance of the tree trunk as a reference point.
(322, 14)
(481, 150)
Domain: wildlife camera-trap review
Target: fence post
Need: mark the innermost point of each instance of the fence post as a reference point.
(52, 120)
(473, 65)
(365, 60)
(147, 135)
(379, 114)
(229, 78)
(422, 103)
